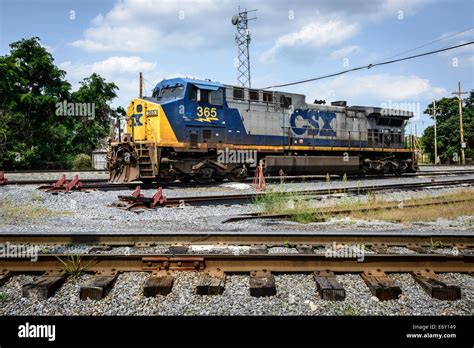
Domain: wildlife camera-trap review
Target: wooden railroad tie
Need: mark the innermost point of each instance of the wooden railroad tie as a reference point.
(98, 286)
(328, 287)
(211, 283)
(159, 283)
(262, 283)
(436, 288)
(381, 285)
(45, 286)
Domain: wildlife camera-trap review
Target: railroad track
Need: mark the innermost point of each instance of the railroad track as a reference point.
(147, 202)
(375, 270)
(335, 211)
(103, 184)
(424, 240)
(323, 256)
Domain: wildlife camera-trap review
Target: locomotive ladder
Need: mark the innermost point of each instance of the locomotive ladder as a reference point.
(144, 162)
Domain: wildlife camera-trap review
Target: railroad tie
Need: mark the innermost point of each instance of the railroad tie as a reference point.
(436, 288)
(159, 283)
(381, 285)
(258, 249)
(211, 283)
(5, 274)
(178, 249)
(418, 248)
(262, 283)
(45, 286)
(379, 248)
(304, 249)
(328, 287)
(98, 286)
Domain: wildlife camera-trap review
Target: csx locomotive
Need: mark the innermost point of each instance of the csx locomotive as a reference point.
(182, 130)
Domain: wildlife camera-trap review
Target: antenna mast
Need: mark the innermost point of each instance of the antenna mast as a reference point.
(242, 39)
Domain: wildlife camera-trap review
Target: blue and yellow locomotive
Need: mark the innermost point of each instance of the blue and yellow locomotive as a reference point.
(205, 131)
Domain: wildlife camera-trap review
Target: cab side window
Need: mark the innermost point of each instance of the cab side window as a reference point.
(206, 96)
(217, 97)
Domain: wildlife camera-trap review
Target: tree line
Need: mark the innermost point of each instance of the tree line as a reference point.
(447, 129)
(37, 127)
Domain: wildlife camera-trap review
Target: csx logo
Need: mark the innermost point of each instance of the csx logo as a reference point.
(136, 120)
(311, 122)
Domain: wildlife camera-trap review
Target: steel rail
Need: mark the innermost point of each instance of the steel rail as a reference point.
(178, 184)
(270, 238)
(216, 199)
(329, 211)
(228, 263)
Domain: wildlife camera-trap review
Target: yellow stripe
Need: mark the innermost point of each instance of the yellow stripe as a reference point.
(292, 148)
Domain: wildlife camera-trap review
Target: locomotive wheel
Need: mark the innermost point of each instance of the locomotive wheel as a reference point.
(147, 181)
(204, 176)
(164, 180)
(185, 179)
(237, 174)
(218, 177)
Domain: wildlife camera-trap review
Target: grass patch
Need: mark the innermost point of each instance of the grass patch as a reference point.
(436, 244)
(373, 208)
(407, 211)
(306, 216)
(3, 297)
(421, 213)
(28, 211)
(73, 266)
(290, 203)
(349, 310)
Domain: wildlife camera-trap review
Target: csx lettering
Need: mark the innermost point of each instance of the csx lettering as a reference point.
(312, 126)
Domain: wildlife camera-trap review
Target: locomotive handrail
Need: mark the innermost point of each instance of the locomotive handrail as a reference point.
(372, 142)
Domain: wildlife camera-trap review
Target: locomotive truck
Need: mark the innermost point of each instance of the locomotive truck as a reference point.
(200, 130)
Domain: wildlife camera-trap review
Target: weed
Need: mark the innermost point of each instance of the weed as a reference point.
(3, 297)
(436, 244)
(73, 265)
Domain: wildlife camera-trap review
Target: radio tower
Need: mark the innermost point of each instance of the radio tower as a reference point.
(242, 39)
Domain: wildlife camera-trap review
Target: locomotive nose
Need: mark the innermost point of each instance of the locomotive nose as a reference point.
(136, 120)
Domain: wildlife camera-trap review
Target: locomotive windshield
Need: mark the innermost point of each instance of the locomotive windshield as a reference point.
(171, 92)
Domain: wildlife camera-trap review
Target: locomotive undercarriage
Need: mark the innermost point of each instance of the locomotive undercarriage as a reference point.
(148, 163)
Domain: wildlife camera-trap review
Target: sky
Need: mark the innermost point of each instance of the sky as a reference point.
(291, 40)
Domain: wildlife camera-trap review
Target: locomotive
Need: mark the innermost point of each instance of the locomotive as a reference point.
(200, 130)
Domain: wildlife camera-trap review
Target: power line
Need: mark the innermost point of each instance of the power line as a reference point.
(371, 66)
(427, 44)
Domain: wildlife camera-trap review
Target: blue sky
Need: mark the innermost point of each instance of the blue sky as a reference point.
(291, 40)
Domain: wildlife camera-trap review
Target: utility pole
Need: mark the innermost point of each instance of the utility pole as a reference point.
(435, 134)
(461, 130)
(141, 86)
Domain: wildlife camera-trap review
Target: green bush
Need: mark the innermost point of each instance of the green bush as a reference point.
(82, 162)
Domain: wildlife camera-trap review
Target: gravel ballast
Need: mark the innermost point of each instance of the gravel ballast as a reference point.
(91, 212)
(296, 295)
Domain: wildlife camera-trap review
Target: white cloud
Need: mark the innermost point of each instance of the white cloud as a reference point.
(108, 38)
(109, 67)
(313, 35)
(148, 25)
(380, 88)
(345, 51)
(121, 70)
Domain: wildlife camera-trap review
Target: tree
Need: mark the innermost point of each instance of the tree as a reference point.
(31, 86)
(448, 136)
